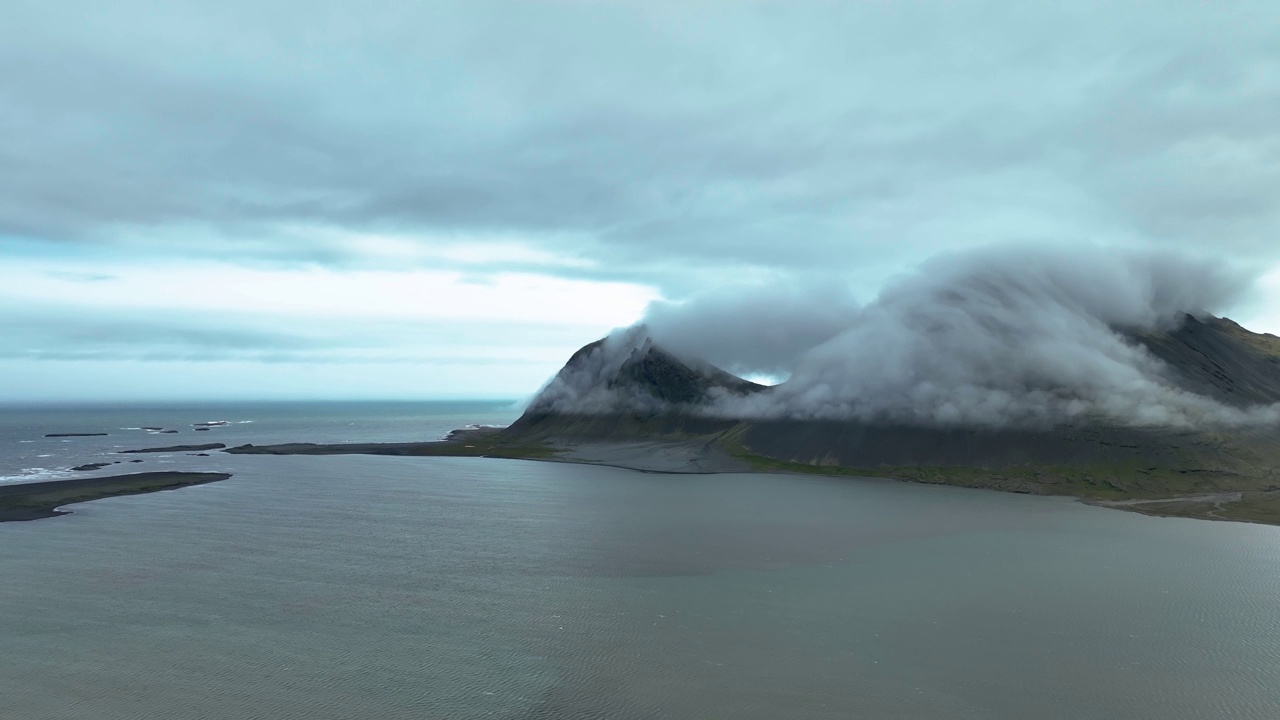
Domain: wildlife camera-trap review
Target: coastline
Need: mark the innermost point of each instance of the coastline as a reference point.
(41, 500)
(695, 457)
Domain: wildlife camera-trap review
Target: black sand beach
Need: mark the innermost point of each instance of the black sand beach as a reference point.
(36, 501)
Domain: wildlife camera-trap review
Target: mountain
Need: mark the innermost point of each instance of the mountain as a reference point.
(632, 390)
(637, 366)
(625, 390)
(1217, 358)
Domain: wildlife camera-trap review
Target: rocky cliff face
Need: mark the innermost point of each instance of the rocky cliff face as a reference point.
(1217, 358)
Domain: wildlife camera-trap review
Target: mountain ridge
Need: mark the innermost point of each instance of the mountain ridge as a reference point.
(1089, 457)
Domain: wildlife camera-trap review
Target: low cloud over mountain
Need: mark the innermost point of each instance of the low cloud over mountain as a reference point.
(1003, 336)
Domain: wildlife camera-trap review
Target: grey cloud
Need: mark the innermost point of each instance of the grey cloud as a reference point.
(77, 333)
(1015, 335)
(762, 329)
(655, 138)
(300, 358)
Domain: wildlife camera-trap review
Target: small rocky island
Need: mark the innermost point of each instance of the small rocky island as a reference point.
(70, 435)
(175, 449)
(88, 467)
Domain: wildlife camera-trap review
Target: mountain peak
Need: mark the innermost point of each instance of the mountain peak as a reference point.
(628, 371)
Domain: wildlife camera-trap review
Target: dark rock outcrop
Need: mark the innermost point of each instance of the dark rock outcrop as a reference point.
(1217, 358)
(68, 435)
(176, 448)
(90, 466)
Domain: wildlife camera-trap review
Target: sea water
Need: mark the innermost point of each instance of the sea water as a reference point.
(393, 587)
(26, 455)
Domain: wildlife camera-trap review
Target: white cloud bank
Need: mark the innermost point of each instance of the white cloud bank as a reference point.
(999, 336)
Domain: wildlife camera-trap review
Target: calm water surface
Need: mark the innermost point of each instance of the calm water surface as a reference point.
(350, 587)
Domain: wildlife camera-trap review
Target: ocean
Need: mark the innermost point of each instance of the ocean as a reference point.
(396, 587)
(27, 456)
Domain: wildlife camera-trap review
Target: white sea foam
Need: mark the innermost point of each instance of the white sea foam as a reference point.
(27, 475)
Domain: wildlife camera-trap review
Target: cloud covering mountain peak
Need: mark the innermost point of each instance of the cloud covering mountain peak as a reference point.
(995, 337)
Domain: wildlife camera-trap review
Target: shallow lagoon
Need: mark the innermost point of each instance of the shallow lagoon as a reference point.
(337, 587)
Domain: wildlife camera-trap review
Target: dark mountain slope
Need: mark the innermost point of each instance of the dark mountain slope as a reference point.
(1212, 357)
(861, 444)
(656, 371)
(633, 374)
(658, 391)
(1219, 359)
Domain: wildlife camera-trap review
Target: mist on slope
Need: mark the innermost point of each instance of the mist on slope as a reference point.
(762, 329)
(1000, 336)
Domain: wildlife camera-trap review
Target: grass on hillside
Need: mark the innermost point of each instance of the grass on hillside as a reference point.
(1100, 481)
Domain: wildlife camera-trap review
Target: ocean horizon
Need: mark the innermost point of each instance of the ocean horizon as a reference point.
(29, 456)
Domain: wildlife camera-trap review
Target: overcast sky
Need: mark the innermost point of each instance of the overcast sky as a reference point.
(276, 199)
